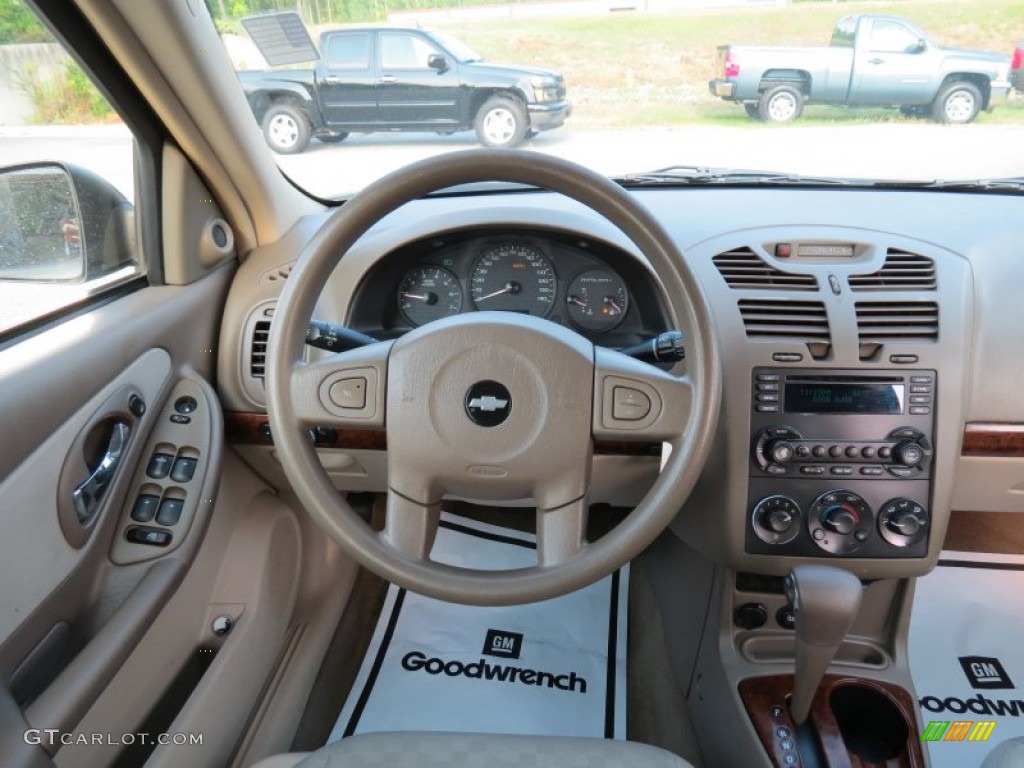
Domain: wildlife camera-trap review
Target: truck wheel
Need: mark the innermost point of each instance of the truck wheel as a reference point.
(752, 110)
(780, 104)
(332, 138)
(957, 103)
(286, 129)
(501, 122)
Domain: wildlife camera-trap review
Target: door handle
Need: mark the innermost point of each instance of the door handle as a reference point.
(89, 493)
(876, 61)
(388, 79)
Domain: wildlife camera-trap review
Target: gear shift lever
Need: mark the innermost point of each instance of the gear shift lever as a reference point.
(825, 601)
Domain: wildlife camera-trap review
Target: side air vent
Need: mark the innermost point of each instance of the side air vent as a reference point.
(258, 356)
(276, 275)
(795, 321)
(901, 271)
(880, 322)
(743, 269)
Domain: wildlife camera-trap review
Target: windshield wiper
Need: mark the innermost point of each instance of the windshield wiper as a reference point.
(698, 175)
(1008, 184)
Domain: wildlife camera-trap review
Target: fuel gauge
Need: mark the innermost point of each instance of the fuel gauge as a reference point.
(597, 300)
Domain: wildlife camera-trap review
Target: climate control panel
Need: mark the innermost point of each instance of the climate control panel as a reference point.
(840, 465)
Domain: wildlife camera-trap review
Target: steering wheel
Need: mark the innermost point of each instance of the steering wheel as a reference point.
(491, 405)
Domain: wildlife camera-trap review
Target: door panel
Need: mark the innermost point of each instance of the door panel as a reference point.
(410, 92)
(347, 82)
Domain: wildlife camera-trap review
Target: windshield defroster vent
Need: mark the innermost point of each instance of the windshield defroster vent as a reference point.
(902, 271)
(781, 320)
(743, 269)
(881, 322)
(258, 353)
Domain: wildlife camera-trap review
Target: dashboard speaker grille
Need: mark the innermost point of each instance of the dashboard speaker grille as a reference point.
(879, 322)
(902, 271)
(743, 269)
(258, 355)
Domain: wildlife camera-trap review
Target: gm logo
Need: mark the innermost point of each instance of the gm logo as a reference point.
(508, 645)
(985, 672)
(958, 730)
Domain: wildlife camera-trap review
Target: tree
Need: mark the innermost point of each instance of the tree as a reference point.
(19, 25)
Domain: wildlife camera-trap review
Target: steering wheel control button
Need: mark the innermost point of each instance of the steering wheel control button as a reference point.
(170, 512)
(349, 393)
(186, 404)
(159, 465)
(145, 508)
(629, 404)
(488, 403)
(152, 537)
(184, 469)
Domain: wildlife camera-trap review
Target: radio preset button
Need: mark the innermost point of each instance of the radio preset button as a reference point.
(803, 451)
(835, 451)
(884, 452)
(852, 451)
(867, 452)
(819, 451)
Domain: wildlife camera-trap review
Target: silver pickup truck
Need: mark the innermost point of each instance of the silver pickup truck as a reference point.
(880, 61)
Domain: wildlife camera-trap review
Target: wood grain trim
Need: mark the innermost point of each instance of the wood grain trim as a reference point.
(251, 429)
(983, 438)
(765, 699)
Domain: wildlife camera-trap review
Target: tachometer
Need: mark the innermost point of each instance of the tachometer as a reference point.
(597, 300)
(514, 277)
(429, 293)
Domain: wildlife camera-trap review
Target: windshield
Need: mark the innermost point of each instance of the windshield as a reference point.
(462, 52)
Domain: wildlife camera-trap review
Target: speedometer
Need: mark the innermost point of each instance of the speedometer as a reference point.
(514, 277)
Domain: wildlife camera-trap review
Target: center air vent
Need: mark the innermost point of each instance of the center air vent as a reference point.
(780, 320)
(743, 269)
(901, 271)
(258, 355)
(880, 322)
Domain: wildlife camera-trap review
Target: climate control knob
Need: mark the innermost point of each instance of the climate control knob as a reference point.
(902, 522)
(840, 521)
(776, 519)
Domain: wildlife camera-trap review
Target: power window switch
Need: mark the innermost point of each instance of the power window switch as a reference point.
(159, 465)
(170, 511)
(183, 470)
(145, 508)
(153, 537)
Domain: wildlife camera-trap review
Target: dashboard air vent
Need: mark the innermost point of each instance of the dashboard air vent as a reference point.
(258, 356)
(798, 321)
(743, 269)
(902, 271)
(879, 322)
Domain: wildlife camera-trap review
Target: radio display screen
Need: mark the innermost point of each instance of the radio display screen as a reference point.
(832, 397)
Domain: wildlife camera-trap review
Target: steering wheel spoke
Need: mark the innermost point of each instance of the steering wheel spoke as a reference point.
(409, 526)
(343, 390)
(561, 532)
(636, 401)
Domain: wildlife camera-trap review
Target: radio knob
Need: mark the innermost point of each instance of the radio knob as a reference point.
(781, 451)
(908, 453)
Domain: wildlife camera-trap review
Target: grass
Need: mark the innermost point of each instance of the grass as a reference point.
(64, 95)
(646, 69)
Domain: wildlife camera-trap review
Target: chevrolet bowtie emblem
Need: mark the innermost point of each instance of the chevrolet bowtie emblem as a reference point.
(488, 403)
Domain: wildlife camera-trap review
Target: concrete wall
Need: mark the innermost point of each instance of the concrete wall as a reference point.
(15, 60)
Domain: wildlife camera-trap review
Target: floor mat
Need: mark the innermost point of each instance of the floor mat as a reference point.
(967, 655)
(557, 667)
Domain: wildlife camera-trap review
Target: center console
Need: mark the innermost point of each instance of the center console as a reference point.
(840, 462)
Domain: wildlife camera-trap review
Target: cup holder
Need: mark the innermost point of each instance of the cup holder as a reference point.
(871, 723)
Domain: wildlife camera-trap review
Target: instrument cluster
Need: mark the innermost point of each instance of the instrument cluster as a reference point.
(585, 284)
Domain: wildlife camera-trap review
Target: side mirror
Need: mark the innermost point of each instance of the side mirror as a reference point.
(438, 62)
(62, 223)
(920, 46)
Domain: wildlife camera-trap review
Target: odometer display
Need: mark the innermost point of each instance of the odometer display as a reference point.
(513, 277)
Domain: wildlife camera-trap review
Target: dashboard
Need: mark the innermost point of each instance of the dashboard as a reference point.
(862, 334)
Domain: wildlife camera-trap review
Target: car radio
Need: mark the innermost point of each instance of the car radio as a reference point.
(840, 462)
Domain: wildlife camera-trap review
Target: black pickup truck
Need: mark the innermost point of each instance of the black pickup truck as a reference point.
(371, 79)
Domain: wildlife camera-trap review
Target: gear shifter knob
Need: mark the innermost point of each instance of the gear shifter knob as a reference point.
(825, 601)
